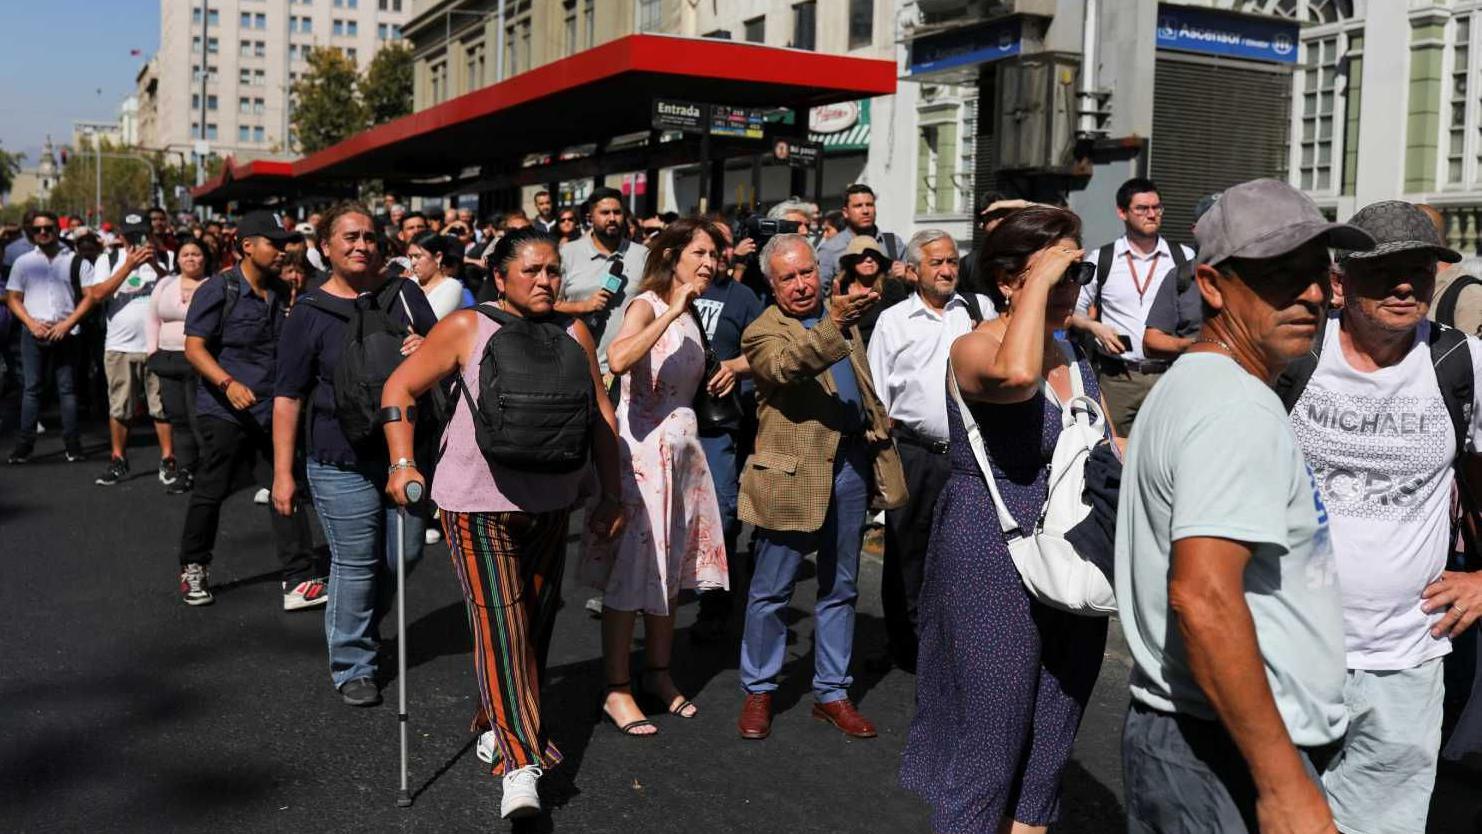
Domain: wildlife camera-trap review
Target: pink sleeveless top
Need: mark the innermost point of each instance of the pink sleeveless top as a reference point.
(465, 482)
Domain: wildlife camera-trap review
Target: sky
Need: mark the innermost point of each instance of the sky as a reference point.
(58, 56)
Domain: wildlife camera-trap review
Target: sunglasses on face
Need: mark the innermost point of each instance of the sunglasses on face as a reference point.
(1079, 273)
(44, 229)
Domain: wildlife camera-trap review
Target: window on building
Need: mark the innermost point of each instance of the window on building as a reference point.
(259, 49)
(1459, 94)
(244, 105)
(755, 30)
(517, 38)
(195, 44)
(473, 66)
(805, 25)
(245, 49)
(650, 15)
(258, 133)
(353, 54)
(861, 23)
(213, 16)
(589, 22)
(213, 45)
(388, 5)
(244, 133)
(338, 28)
(1319, 117)
(195, 130)
(259, 21)
(352, 28)
(568, 27)
(719, 34)
(438, 78)
(301, 25)
(246, 21)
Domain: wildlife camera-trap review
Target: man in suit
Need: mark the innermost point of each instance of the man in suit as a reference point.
(823, 455)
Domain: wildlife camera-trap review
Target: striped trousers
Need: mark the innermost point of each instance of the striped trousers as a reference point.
(509, 565)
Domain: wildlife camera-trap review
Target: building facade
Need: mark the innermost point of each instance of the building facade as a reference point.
(224, 68)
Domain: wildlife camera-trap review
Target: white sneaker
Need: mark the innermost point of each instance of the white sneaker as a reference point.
(520, 797)
(485, 748)
(594, 606)
(262, 496)
(433, 535)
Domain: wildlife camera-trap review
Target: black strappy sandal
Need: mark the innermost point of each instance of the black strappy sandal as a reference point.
(628, 728)
(678, 709)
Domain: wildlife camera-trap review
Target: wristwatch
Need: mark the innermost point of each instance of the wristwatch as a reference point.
(225, 384)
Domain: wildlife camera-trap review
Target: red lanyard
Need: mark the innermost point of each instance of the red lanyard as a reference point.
(1142, 286)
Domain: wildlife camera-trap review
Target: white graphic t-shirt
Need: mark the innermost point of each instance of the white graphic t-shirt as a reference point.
(1381, 446)
(127, 310)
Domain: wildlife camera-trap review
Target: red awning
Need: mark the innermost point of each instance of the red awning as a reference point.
(590, 97)
(260, 179)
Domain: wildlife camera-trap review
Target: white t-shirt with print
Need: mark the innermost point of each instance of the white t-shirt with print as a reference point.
(1381, 446)
(127, 310)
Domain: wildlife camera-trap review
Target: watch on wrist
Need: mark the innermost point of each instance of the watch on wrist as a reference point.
(225, 384)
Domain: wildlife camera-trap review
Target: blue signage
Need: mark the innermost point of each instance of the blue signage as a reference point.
(966, 46)
(1213, 33)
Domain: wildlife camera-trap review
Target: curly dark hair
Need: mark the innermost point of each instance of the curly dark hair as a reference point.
(1022, 233)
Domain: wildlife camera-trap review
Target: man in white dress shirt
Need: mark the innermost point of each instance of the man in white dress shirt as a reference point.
(908, 361)
(1113, 309)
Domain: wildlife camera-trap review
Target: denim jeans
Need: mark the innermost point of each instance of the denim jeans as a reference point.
(40, 362)
(360, 523)
(720, 455)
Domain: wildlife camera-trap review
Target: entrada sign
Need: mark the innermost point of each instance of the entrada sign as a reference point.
(715, 119)
(1233, 36)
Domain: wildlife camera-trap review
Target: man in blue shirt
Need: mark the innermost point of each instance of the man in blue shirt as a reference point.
(231, 339)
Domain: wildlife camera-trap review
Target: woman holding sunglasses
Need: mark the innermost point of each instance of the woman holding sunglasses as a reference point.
(987, 750)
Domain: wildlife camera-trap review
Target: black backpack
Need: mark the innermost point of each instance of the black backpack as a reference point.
(370, 351)
(536, 404)
(1445, 307)
(1182, 271)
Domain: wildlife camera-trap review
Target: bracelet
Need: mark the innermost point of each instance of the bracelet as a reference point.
(400, 464)
(393, 414)
(225, 384)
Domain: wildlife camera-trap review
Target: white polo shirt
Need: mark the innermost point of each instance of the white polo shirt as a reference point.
(1130, 288)
(908, 360)
(46, 283)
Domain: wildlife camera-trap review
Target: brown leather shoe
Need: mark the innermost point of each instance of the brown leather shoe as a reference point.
(843, 715)
(756, 716)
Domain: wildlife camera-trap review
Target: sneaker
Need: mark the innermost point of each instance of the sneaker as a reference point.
(194, 589)
(75, 454)
(486, 749)
(21, 454)
(118, 469)
(169, 473)
(307, 594)
(433, 535)
(262, 496)
(360, 692)
(520, 797)
(594, 606)
(184, 482)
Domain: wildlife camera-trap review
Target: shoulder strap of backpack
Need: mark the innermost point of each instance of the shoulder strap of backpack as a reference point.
(230, 293)
(1446, 304)
(1293, 381)
(891, 245)
(494, 314)
(1103, 271)
(1183, 271)
(974, 309)
(76, 270)
(1452, 361)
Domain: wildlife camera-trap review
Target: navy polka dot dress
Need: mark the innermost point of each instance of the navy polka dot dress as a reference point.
(1002, 681)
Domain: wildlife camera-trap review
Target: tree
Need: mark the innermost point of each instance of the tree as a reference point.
(325, 107)
(125, 183)
(386, 87)
(10, 164)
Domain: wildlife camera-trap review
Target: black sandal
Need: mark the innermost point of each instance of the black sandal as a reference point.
(628, 728)
(678, 709)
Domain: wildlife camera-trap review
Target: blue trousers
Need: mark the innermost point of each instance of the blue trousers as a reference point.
(778, 554)
(720, 455)
(42, 362)
(360, 524)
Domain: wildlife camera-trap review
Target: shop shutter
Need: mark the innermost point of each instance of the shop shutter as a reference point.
(1214, 125)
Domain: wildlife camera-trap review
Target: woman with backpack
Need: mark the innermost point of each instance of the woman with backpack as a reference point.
(340, 339)
(164, 331)
(506, 496)
(1003, 680)
(674, 538)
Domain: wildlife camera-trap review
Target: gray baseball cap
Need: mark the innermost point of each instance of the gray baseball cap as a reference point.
(1398, 226)
(1265, 218)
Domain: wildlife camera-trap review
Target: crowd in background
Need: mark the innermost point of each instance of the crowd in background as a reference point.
(1270, 446)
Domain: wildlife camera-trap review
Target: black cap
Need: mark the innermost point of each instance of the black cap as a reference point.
(135, 222)
(265, 224)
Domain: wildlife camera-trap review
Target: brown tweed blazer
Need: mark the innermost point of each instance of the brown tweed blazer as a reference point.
(788, 479)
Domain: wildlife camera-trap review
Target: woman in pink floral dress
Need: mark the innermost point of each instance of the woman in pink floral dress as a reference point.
(673, 539)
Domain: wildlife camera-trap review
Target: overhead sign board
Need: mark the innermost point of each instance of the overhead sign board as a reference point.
(796, 152)
(969, 45)
(1210, 32)
(685, 116)
(715, 119)
(737, 122)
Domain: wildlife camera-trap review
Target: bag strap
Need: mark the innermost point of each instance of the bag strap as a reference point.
(75, 267)
(1293, 381)
(1006, 521)
(974, 309)
(1451, 359)
(1446, 304)
(231, 291)
(1103, 271)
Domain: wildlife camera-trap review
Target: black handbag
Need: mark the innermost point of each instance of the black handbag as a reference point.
(716, 415)
(169, 364)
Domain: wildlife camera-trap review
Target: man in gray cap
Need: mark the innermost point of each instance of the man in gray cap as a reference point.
(1384, 410)
(1226, 585)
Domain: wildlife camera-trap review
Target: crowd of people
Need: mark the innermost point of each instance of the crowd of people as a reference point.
(1265, 445)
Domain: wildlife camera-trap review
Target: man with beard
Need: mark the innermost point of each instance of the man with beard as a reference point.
(591, 260)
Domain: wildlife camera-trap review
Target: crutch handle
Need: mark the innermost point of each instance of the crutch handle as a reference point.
(414, 492)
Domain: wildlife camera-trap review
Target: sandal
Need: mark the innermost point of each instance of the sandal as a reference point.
(628, 728)
(676, 709)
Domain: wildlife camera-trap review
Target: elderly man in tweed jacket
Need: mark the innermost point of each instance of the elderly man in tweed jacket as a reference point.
(823, 454)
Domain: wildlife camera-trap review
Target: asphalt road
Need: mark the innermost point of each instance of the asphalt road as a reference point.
(124, 710)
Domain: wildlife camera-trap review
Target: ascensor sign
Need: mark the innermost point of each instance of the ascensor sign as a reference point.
(1213, 33)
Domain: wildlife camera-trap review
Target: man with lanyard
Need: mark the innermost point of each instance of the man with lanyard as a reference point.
(590, 261)
(859, 215)
(41, 296)
(231, 339)
(908, 362)
(122, 282)
(1112, 310)
(1385, 409)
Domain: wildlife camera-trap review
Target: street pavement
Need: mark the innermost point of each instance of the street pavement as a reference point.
(125, 710)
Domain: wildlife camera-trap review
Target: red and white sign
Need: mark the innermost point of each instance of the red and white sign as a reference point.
(833, 118)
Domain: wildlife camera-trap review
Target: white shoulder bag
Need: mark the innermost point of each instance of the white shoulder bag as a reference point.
(1052, 571)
